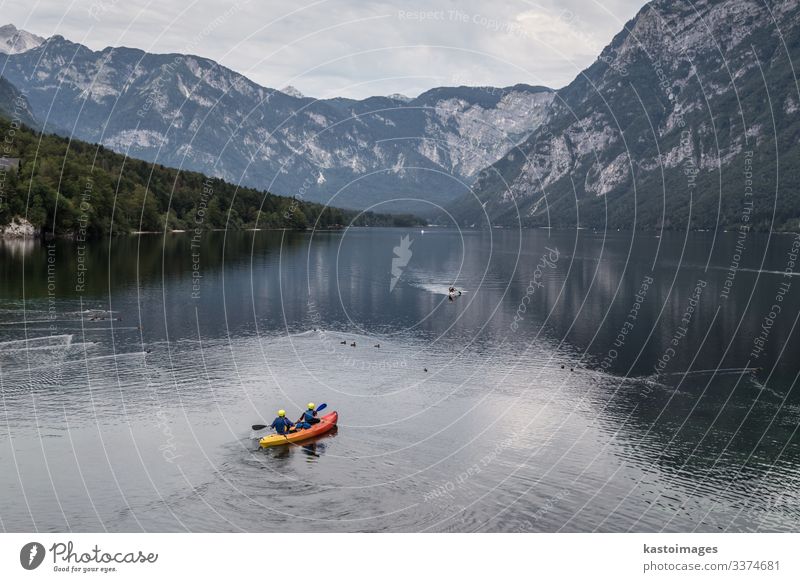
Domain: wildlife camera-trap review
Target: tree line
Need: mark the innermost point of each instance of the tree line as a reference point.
(66, 187)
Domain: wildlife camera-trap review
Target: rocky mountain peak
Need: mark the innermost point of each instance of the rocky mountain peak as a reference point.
(292, 91)
(190, 112)
(655, 132)
(14, 41)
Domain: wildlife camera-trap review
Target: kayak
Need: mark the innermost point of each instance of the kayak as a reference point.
(325, 424)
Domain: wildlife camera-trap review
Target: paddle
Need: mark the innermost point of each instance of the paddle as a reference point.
(322, 406)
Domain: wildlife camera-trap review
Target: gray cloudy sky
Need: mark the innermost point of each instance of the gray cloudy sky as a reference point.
(353, 48)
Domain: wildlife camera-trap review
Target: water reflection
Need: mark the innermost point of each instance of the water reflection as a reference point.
(554, 372)
(17, 248)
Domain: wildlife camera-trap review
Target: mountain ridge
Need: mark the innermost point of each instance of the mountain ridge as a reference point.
(69, 188)
(14, 40)
(189, 111)
(653, 134)
(650, 135)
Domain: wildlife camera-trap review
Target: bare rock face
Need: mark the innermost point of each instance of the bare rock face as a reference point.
(189, 112)
(19, 228)
(659, 126)
(14, 41)
(293, 92)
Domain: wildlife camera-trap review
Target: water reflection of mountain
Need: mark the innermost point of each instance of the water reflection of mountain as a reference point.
(586, 302)
(119, 262)
(634, 433)
(580, 303)
(735, 429)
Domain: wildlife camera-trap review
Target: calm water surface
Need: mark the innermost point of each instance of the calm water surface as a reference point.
(582, 381)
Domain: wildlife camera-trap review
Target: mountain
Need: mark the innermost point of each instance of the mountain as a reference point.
(67, 187)
(190, 112)
(687, 116)
(293, 92)
(14, 106)
(13, 41)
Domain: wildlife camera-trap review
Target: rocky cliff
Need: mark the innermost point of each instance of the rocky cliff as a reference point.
(189, 112)
(687, 117)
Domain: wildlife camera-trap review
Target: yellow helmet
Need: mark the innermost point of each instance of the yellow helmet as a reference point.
(311, 406)
(281, 413)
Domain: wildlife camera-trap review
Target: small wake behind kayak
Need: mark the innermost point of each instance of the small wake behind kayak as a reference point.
(325, 424)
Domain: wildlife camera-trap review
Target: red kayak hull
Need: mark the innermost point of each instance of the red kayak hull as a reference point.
(326, 423)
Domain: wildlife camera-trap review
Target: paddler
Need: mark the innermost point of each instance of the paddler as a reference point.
(309, 417)
(281, 424)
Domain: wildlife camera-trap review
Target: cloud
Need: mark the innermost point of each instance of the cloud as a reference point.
(351, 47)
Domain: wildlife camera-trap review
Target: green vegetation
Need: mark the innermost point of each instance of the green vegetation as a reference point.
(79, 189)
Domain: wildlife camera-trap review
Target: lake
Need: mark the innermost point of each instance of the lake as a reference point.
(582, 381)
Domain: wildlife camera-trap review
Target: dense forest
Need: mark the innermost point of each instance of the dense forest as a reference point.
(69, 188)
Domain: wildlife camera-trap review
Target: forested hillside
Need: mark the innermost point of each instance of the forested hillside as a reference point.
(69, 187)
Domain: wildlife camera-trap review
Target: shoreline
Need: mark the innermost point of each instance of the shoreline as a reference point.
(29, 234)
(24, 230)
